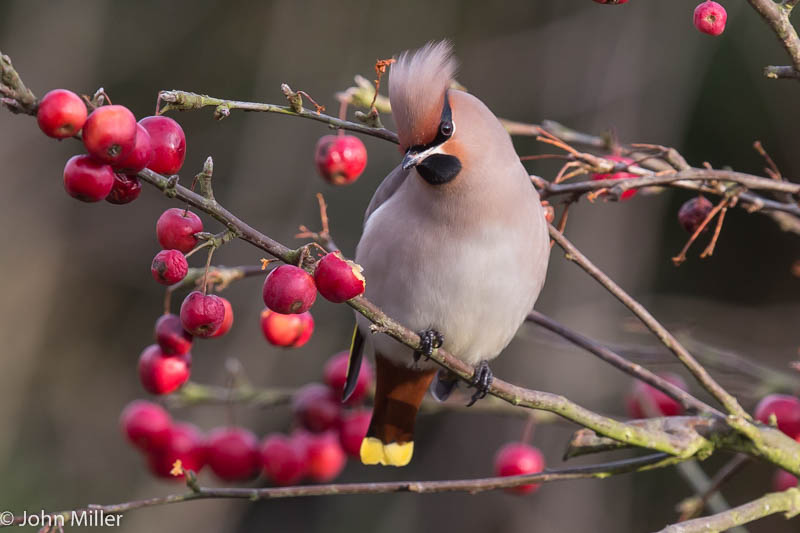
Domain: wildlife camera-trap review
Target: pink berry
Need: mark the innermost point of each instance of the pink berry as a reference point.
(110, 133)
(146, 425)
(87, 179)
(338, 279)
(175, 229)
(710, 18)
(185, 443)
(340, 159)
(161, 373)
(168, 143)
(517, 458)
(786, 410)
(353, 429)
(783, 480)
(619, 175)
(693, 212)
(316, 407)
(169, 267)
(644, 401)
(289, 331)
(283, 461)
(139, 156)
(289, 290)
(171, 337)
(125, 189)
(335, 376)
(227, 320)
(233, 454)
(61, 114)
(325, 458)
(202, 314)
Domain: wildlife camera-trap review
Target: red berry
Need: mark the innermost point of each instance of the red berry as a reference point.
(517, 458)
(227, 320)
(325, 458)
(110, 133)
(125, 189)
(61, 114)
(338, 279)
(335, 376)
(146, 425)
(783, 480)
(171, 337)
(283, 460)
(693, 212)
(202, 314)
(233, 454)
(786, 410)
(161, 373)
(87, 179)
(619, 175)
(353, 429)
(289, 290)
(175, 229)
(316, 407)
(139, 156)
(169, 266)
(710, 18)
(340, 159)
(168, 143)
(290, 331)
(645, 401)
(185, 443)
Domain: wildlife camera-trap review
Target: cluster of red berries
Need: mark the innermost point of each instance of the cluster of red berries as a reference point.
(327, 432)
(645, 401)
(340, 159)
(118, 147)
(709, 16)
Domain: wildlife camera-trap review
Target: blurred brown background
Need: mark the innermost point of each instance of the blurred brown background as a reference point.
(78, 302)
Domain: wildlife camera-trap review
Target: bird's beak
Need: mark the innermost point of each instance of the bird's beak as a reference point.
(414, 157)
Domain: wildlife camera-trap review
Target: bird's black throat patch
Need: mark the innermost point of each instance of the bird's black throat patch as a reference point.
(438, 169)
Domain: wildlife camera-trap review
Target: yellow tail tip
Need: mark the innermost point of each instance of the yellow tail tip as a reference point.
(375, 452)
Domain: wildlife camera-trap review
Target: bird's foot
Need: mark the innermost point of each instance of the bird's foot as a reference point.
(481, 380)
(429, 340)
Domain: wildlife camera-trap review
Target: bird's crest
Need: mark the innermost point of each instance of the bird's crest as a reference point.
(417, 84)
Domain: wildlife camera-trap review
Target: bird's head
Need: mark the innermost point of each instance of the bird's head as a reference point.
(420, 95)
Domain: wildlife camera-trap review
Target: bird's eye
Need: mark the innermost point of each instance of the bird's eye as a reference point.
(446, 128)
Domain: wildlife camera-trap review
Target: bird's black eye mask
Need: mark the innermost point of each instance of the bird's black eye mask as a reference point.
(438, 169)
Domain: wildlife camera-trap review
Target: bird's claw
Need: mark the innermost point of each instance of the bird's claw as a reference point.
(429, 340)
(481, 380)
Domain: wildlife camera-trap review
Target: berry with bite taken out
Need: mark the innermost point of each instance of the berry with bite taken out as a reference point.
(338, 279)
(125, 189)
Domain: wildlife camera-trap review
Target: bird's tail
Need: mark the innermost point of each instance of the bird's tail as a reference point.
(399, 391)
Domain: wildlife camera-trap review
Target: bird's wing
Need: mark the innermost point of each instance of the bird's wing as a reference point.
(386, 189)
